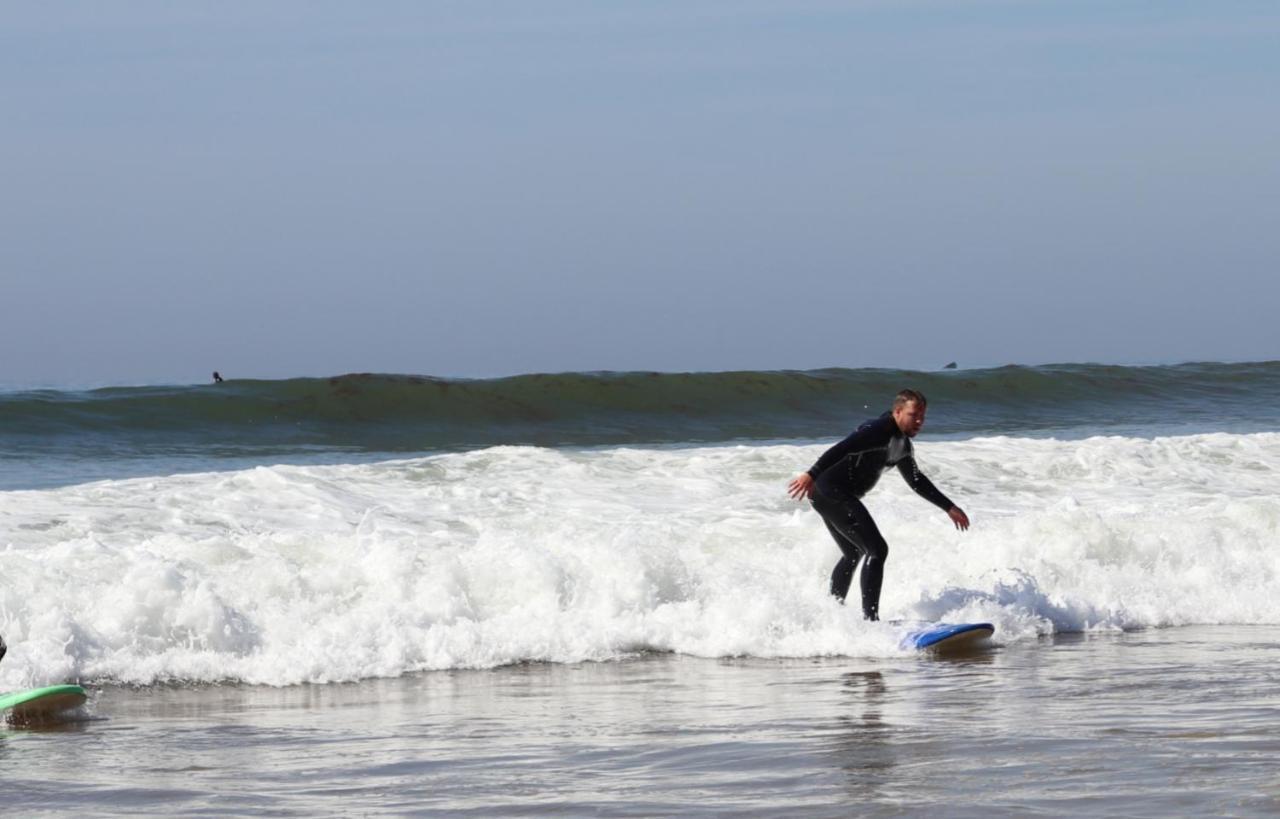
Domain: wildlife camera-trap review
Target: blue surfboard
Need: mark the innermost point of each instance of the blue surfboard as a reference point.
(947, 635)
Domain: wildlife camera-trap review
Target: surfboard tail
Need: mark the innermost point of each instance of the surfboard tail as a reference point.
(42, 705)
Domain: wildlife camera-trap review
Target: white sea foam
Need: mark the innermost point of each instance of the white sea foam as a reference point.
(289, 574)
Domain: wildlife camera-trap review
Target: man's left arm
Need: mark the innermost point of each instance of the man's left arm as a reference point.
(924, 488)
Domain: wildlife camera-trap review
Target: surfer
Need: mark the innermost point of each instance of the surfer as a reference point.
(847, 471)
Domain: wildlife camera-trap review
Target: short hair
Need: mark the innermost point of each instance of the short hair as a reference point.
(910, 396)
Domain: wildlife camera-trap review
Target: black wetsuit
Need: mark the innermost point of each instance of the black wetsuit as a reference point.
(845, 473)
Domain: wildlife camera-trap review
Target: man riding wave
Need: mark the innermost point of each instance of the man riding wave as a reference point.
(846, 472)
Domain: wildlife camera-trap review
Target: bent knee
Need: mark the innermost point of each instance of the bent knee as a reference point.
(878, 550)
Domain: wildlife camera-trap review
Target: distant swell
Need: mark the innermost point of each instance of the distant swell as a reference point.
(394, 413)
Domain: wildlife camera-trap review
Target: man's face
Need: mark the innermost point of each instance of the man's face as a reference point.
(910, 418)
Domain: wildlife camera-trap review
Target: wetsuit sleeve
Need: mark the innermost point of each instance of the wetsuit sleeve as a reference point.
(922, 485)
(868, 436)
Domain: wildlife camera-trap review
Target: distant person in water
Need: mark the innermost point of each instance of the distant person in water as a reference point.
(3, 649)
(847, 471)
(217, 379)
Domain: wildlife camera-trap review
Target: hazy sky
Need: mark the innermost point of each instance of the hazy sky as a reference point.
(484, 188)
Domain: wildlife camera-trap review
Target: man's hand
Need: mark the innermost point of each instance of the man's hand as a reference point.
(801, 487)
(958, 517)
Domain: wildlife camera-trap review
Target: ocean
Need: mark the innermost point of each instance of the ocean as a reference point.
(589, 594)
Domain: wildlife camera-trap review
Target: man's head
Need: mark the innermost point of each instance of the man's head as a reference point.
(908, 411)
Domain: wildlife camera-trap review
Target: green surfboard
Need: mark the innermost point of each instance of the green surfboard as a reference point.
(41, 703)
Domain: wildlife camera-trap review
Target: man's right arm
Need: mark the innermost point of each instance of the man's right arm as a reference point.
(867, 436)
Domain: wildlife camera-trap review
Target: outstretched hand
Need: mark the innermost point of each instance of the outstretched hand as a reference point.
(958, 517)
(801, 487)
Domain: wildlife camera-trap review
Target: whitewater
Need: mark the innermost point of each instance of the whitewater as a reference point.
(290, 574)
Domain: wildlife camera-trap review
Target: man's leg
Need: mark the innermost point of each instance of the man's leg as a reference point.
(872, 568)
(852, 522)
(842, 574)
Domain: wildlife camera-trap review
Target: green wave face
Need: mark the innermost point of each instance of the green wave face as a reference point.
(394, 413)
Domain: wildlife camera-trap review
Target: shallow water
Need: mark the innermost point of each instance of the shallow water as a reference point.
(1148, 723)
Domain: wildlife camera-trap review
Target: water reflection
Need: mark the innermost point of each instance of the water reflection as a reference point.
(864, 744)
